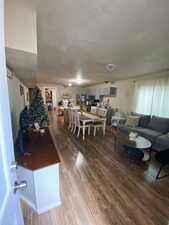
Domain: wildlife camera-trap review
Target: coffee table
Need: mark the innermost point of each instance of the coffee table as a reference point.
(140, 142)
(144, 145)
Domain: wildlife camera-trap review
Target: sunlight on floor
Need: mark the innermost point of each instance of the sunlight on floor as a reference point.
(79, 160)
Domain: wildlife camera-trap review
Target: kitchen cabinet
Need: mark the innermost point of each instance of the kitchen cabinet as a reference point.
(109, 92)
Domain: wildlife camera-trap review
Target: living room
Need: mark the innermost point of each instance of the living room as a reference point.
(85, 116)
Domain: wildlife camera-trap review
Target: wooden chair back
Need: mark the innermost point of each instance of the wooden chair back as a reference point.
(77, 118)
(94, 109)
(102, 112)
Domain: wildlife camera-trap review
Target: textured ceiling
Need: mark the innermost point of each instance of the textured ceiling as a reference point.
(83, 36)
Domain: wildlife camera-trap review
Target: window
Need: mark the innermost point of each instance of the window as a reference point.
(152, 97)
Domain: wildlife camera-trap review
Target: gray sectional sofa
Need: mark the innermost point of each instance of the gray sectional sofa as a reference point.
(153, 128)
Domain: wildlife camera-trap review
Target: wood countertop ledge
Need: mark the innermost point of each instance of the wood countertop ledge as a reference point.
(43, 152)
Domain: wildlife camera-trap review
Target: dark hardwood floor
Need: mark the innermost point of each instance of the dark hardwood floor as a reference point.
(101, 187)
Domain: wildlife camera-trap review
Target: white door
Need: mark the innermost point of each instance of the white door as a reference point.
(10, 211)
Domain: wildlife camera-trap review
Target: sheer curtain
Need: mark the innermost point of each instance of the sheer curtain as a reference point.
(143, 97)
(152, 97)
(160, 105)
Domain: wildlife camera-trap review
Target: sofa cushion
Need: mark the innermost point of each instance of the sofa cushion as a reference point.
(126, 129)
(158, 147)
(132, 121)
(161, 143)
(159, 124)
(151, 135)
(144, 119)
(163, 139)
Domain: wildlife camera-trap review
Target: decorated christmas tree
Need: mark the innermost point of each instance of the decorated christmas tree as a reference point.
(37, 112)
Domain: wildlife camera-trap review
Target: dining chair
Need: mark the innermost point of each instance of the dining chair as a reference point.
(94, 109)
(79, 125)
(73, 115)
(100, 124)
(102, 112)
(69, 119)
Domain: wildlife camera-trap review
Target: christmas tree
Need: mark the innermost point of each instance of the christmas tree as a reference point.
(24, 120)
(37, 112)
(23, 133)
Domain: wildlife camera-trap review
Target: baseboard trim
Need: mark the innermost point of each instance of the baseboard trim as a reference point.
(30, 204)
(42, 210)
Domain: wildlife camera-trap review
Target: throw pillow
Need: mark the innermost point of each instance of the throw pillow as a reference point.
(132, 121)
(144, 121)
(159, 124)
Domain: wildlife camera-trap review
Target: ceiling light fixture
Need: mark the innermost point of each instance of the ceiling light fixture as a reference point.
(79, 80)
(110, 67)
(69, 84)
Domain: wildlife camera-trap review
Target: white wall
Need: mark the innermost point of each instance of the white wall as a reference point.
(124, 99)
(20, 25)
(17, 102)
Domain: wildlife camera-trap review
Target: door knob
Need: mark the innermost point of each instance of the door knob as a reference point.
(19, 186)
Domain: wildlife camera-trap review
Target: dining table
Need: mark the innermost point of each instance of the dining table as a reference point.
(89, 117)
